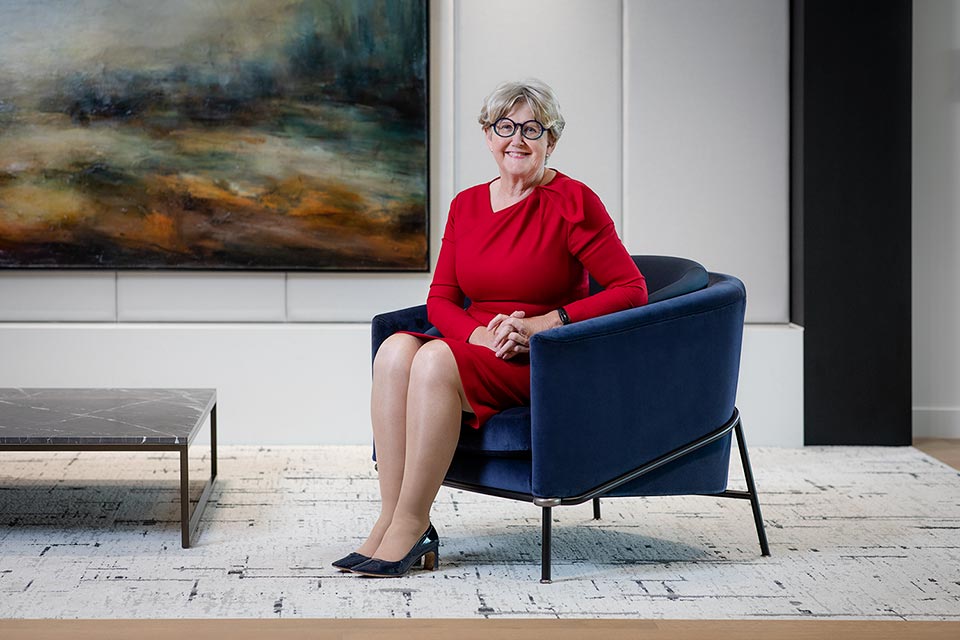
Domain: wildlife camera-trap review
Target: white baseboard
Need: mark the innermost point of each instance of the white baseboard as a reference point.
(286, 383)
(936, 422)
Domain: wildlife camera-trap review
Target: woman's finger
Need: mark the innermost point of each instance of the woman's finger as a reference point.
(507, 333)
(497, 319)
(518, 338)
(516, 350)
(505, 350)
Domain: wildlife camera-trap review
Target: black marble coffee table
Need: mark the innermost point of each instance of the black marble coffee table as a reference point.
(114, 420)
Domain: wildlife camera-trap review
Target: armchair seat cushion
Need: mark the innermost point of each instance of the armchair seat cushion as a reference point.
(505, 435)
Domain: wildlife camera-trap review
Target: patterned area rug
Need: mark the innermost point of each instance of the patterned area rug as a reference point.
(854, 533)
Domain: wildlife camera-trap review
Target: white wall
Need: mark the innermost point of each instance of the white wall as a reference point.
(677, 117)
(707, 146)
(936, 218)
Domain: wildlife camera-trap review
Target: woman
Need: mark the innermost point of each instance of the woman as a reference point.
(520, 248)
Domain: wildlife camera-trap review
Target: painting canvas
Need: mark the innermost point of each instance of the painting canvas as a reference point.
(203, 134)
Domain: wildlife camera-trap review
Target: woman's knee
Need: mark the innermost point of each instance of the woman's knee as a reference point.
(434, 363)
(396, 353)
(435, 368)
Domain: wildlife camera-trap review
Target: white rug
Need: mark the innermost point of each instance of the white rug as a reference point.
(854, 532)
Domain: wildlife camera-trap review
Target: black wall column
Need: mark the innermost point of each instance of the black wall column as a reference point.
(850, 216)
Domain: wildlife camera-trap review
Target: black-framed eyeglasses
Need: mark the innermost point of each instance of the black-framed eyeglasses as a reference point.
(531, 129)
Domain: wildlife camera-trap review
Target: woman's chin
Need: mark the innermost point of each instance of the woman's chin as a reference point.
(518, 168)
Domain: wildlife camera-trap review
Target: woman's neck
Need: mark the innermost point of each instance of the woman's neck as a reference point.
(508, 191)
(520, 186)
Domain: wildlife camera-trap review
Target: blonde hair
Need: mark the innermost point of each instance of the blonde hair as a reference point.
(539, 96)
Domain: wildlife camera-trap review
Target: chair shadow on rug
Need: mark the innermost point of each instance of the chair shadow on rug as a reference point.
(593, 549)
(635, 403)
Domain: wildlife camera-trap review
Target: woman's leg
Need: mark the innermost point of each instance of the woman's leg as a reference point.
(388, 413)
(435, 400)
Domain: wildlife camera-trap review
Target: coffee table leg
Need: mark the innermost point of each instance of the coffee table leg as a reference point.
(188, 522)
(184, 498)
(213, 442)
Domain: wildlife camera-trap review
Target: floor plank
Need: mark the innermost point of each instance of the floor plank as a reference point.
(476, 629)
(946, 450)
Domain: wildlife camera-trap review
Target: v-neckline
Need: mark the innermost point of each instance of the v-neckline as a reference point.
(522, 200)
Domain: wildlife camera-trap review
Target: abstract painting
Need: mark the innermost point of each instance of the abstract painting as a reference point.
(205, 134)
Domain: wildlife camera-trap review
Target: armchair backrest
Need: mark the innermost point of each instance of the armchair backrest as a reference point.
(666, 276)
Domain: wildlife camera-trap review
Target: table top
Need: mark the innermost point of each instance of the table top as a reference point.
(103, 416)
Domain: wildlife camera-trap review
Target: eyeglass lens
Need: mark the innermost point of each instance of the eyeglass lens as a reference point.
(505, 127)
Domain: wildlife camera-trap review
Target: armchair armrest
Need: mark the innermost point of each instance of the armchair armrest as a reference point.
(612, 393)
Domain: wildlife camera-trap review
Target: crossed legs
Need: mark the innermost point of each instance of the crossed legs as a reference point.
(416, 408)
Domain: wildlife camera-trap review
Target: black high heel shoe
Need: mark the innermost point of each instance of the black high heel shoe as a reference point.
(348, 562)
(427, 547)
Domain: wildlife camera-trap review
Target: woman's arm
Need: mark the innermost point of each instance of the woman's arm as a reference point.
(445, 299)
(593, 241)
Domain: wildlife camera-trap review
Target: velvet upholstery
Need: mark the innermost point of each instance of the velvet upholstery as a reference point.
(612, 393)
(506, 434)
(660, 376)
(667, 277)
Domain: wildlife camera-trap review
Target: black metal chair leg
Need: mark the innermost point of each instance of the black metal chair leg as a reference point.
(545, 548)
(752, 490)
(596, 508)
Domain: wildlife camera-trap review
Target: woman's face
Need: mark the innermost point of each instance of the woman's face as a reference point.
(516, 156)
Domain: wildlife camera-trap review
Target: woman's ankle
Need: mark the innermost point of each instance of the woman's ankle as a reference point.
(401, 535)
(373, 540)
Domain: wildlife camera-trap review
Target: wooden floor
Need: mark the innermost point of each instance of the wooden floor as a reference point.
(477, 629)
(947, 451)
(943, 449)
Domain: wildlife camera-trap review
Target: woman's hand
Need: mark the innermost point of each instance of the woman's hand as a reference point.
(484, 337)
(487, 336)
(512, 333)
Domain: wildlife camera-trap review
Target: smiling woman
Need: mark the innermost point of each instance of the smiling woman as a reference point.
(519, 247)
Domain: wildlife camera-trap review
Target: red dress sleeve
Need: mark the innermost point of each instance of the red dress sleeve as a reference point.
(445, 298)
(593, 241)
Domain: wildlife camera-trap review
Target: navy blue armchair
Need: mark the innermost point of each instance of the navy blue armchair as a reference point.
(634, 403)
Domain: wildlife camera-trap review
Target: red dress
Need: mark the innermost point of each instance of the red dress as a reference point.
(534, 257)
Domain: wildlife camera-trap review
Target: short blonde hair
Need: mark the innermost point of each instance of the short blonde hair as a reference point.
(543, 102)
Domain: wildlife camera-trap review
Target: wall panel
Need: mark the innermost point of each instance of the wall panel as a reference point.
(350, 297)
(706, 170)
(72, 296)
(936, 218)
(203, 297)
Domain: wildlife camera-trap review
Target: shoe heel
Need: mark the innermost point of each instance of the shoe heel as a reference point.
(431, 560)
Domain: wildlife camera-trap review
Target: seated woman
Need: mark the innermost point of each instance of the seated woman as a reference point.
(520, 247)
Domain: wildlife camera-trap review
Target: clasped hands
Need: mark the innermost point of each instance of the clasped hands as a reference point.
(509, 335)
